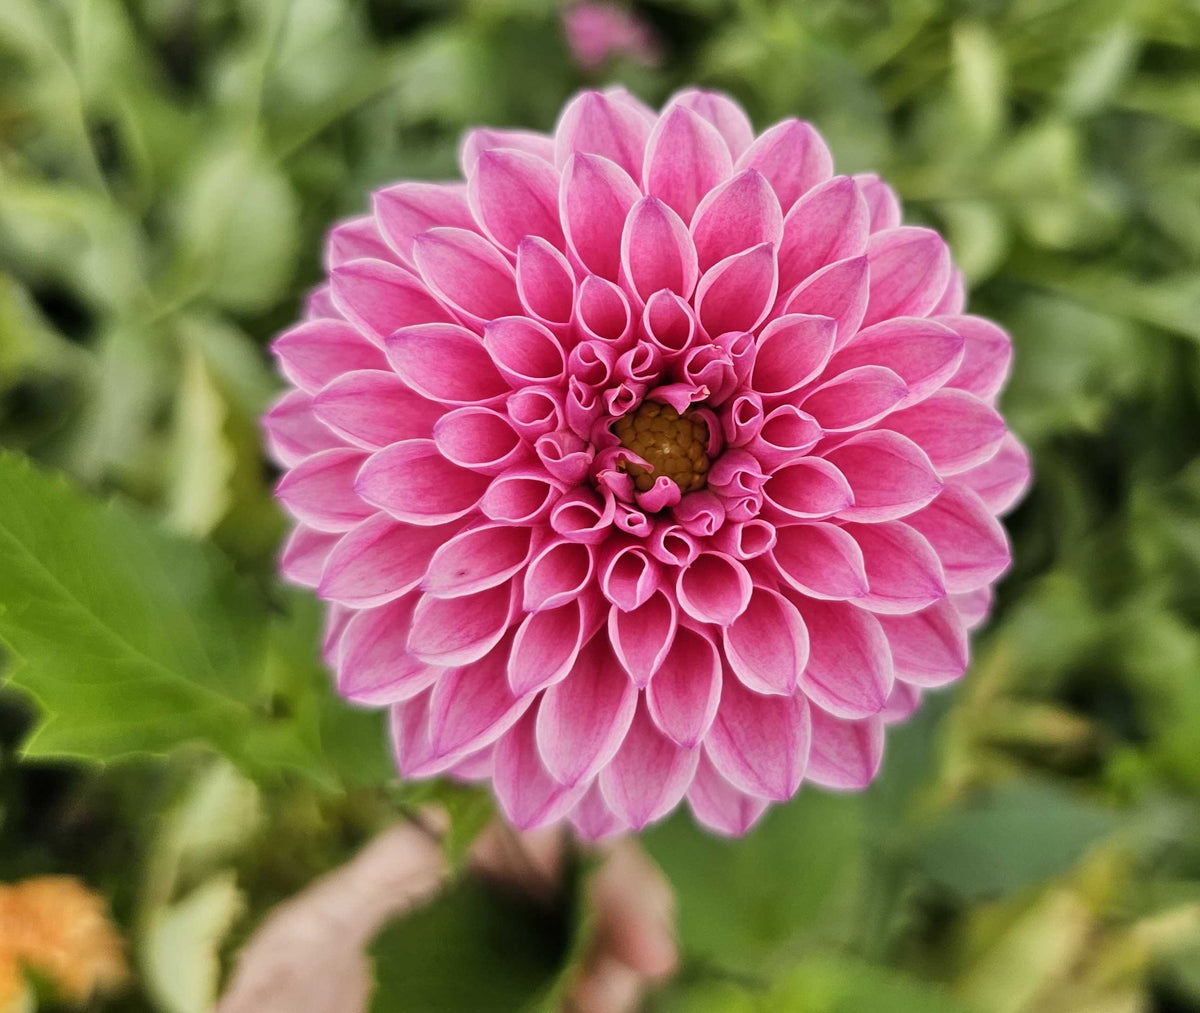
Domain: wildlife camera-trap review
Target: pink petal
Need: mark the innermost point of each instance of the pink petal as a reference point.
(354, 239)
(594, 200)
(603, 313)
(685, 158)
(741, 213)
(320, 491)
(535, 411)
(583, 516)
(477, 558)
(313, 353)
(737, 293)
(513, 195)
(649, 774)
(903, 572)
(839, 290)
(846, 755)
(471, 707)
(406, 210)
(929, 647)
(807, 489)
(971, 543)
(377, 297)
(420, 355)
(974, 606)
(760, 744)
(641, 637)
(787, 434)
(482, 139)
(714, 588)
(546, 647)
(792, 156)
(545, 282)
(557, 575)
(374, 407)
(987, 356)
(449, 632)
(909, 270)
(583, 719)
(792, 350)
(722, 112)
(379, 560)
(409, 724)
(592, 818)
(303, 558)
(1002, 481)
(657, 251)
(956, 429)
(855, 399)
(954, 298)
(850, 671)
(719, 806)
(669, 323)
(521, 496)
(745, 539)
(883, 203)
(467, 273)
(821, 560)
(480, 439)
(524, 351)
(529, 797)
(827, 224)
(684, 692)
(744, 419)
(923, 353)
(374, 666)
(293, 432)
(602, 125)
(767, 645)
(628, 575)
(890, 475)
(902, 704)
(414, 483)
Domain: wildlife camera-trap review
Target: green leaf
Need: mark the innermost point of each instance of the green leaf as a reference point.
(1010, 839)
(238, 228)
(475, 948)
(733, 915)
(180, 948)
(202, 458)
(130, 640)
(842, 985)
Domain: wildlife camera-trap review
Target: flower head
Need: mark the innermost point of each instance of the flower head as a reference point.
(58, 928)
(654, 462)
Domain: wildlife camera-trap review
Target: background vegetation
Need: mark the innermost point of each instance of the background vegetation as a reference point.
(167, 168)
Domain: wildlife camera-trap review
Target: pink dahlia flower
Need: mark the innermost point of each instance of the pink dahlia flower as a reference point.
(595, 31)
(653, 462)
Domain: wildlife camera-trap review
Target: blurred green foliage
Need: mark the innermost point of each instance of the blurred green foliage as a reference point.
(167, 169)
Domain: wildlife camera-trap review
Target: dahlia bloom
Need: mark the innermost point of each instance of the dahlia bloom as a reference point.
(655, 461)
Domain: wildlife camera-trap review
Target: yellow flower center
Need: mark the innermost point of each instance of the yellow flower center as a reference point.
(674, 445)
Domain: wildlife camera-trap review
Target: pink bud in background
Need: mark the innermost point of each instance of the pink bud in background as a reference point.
(596, 32)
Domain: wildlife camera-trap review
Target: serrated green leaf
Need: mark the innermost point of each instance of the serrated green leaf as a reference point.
(130, 640)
